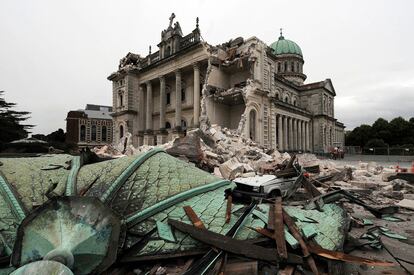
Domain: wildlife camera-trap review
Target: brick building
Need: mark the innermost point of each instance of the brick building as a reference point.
(89, 127)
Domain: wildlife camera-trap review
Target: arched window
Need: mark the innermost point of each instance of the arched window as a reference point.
(121, 131)
(167, 125)
(93, 133)
(277, 96)
(292, 68)
(252, 126)
(82, 133)
(278, 67)
(183, 124)
(285, 67)
(286, 99)
(294, 102)
(103, 133)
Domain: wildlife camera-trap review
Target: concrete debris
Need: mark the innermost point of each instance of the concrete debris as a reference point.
(231, 168)
(406, 203)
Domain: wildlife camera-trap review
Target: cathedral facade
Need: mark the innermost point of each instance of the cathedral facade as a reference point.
(246, 85)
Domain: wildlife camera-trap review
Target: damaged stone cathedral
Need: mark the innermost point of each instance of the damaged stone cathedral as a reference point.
(244, 85)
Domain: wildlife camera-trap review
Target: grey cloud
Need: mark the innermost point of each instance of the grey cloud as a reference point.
(55, 55)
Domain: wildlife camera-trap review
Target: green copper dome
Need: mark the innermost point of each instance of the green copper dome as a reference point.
(285, 46)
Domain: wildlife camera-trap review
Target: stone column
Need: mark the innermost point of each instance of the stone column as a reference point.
(280, 133)
(162, 133)
(295, 134)
(301, 135)
(196, 97)
(178, 100)
(307, 136)
(303, 141)
(290, 134)
(141, 113)
(148, 135)
(148, 124)
(285, 133)
(177, 131)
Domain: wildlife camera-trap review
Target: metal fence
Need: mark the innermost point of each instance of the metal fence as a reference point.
(395, 151)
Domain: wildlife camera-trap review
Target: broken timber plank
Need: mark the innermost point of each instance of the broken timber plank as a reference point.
(271, 220)
(310, 188)
(204, 264)
(231, 245)
(290, 163)
(279, 228)
(193, 217)
(228, 209)
(288, 237)
(295, 232)
(340, 256)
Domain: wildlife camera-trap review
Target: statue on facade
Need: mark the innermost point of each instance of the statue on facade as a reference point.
(171, 20)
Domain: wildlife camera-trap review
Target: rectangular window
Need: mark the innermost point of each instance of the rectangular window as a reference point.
(183, 95)
(93, 133)
(168, 98)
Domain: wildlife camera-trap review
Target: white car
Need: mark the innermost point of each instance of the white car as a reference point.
(266, 186)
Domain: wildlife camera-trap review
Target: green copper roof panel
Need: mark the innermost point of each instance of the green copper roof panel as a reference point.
(211, 209)
(32, 177)
(157, 179)
(96, 178)
(8, 226)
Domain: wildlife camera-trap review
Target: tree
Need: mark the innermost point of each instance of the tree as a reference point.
(375, 142)
(397, 132)
(400, 129)
(11, 127)
(56, 136)
(359, 136)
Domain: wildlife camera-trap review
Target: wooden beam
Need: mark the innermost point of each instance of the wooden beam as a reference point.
(228, 209)
(279, 228)
(296, 233)
(193, 217)
(271, 219)
(228, 244)
(310, 188)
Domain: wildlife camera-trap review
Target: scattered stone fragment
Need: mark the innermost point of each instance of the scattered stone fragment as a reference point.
(406, 203)
(231, 168)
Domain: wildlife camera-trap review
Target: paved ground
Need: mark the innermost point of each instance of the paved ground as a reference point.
(386, 161)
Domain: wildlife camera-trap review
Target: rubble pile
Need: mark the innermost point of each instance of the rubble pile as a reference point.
(236, 156)
(219, 150)
(367, 193)
(251, 211)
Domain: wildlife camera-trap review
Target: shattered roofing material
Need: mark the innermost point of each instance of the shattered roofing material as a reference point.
(154, 187)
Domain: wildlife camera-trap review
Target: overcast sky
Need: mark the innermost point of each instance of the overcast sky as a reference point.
(55, 55)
